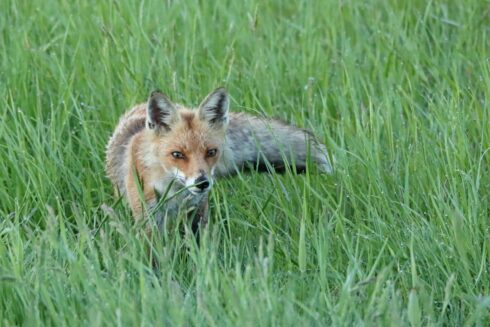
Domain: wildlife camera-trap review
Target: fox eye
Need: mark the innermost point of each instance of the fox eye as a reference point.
(178, 155)
(211, 152)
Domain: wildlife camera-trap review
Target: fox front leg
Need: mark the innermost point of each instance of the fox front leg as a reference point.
(200, 216)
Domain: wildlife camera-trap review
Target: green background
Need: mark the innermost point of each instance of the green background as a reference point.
(398, 90)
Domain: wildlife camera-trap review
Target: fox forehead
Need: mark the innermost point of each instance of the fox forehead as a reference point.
(189, 133)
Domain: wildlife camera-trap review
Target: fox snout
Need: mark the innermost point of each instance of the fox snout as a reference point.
(200, 184)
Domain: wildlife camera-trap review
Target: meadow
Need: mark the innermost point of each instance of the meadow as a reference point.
(399, 235)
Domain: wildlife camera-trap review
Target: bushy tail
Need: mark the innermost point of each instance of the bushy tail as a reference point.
(259, 143)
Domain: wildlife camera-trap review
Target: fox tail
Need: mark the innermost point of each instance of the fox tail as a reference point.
(260, 144)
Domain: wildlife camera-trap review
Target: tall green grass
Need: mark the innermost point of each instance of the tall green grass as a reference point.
(399, 235)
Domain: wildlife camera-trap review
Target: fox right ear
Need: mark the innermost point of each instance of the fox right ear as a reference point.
(214, 109)
(160, 111)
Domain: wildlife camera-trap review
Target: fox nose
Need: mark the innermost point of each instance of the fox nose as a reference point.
(202, 183)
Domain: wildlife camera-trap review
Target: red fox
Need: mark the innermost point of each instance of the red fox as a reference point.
(161, 149)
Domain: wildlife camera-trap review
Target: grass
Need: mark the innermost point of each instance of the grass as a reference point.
(399, 235)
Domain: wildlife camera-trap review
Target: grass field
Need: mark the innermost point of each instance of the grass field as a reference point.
(398, 90)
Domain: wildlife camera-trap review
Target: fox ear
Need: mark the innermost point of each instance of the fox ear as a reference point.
(160, 111)
(214, 109)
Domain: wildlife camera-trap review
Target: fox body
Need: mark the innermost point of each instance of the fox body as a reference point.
(161, 149)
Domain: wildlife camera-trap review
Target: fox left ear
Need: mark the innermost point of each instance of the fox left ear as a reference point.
(214, 109)
(160, 111)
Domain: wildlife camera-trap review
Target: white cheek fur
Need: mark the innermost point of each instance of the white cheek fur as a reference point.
(179, 175)
(190, 182)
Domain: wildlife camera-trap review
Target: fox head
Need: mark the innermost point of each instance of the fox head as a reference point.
(188, 143)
